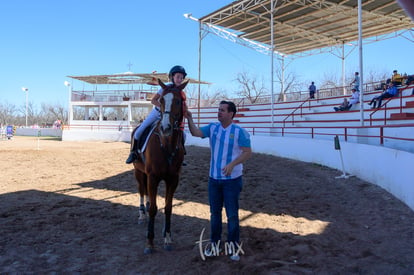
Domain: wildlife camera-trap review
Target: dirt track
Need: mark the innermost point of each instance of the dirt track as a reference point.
(72, 207)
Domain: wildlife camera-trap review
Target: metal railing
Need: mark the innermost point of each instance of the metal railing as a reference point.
(385, 108)
(292, 114)
(342, 131)
(292, 96)
(112, 95)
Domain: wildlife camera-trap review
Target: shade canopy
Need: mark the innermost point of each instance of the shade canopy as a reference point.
(130, 78)
(305, 25)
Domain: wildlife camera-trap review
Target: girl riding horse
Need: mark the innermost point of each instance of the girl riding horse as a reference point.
(162, 161)
(176, 75)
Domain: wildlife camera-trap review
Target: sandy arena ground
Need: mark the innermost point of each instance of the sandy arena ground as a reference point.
(71, 207)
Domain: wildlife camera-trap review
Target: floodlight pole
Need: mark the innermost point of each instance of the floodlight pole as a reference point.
(272, 61)
(67, 84)
(200, 37)
(26, 90)
(361, 70)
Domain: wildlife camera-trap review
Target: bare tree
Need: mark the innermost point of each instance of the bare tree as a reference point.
(291, 83)
(32, 114)
(330, 80)
(250, 87)
(374, 76)
(7, 113)
(207, 98)
(50, 113)
(213, 98)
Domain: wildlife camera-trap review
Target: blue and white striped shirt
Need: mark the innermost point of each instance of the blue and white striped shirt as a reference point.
(225, 147)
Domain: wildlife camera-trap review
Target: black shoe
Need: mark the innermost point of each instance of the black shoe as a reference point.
(184, 163)
(131, 158)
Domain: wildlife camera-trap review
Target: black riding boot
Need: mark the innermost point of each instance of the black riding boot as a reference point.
(133, 154)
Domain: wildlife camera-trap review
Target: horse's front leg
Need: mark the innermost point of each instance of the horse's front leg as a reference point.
(141, 178)
(171, 186)
(152, 195)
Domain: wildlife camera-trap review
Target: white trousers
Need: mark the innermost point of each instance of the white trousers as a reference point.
(153, 116)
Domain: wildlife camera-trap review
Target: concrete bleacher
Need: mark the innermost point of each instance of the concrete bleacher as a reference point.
(316, 118)
(318, 111)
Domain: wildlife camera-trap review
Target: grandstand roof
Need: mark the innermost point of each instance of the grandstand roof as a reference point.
(130, 78)
(305, 25)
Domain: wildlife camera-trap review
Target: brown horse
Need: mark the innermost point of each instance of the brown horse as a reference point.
(162, 160)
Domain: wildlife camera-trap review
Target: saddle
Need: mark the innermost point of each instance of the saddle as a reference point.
(143, 139)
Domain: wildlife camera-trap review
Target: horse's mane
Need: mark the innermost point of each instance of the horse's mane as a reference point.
(172, 86)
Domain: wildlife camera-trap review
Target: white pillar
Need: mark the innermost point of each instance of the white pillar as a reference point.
(86, 117)
(129, 114)
(100, 112)
(343, 69)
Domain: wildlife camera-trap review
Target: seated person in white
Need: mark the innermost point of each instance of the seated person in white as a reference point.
(354, 98)
(346, 105)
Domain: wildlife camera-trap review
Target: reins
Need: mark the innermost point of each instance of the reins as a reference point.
(178, 132)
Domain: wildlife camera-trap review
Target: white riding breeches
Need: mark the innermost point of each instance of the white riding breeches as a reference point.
(153, 116)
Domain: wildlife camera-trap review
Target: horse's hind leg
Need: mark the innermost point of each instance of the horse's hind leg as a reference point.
(152, 194)
(142, 188)
(171, 186)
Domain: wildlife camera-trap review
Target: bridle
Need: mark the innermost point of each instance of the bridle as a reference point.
(176, 136)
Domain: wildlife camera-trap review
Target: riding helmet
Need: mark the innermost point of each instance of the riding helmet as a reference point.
(177, 69)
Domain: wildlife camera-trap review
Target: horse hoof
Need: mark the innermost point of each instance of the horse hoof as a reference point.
(141, 220)
(148, 251)
(168, 247)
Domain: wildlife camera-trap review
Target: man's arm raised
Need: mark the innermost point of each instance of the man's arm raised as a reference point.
(195, 131)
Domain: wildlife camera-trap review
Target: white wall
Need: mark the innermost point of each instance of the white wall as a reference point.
(385, 167)
(97, 135)
(43, 132)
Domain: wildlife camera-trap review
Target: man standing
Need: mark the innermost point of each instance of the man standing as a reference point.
(356, 81)
(312, 90)
(230, 147)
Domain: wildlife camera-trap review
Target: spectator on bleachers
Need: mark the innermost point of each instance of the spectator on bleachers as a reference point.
(396, 78)
(356, 81)
(390, 92)
(354, 98)
(384, 86)
(343, 107)
(409, 81)
(312, 90)
(346, 105)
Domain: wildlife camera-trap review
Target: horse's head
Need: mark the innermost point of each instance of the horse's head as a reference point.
(171, 107)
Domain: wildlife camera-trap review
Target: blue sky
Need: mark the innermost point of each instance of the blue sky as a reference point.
(44, 41)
